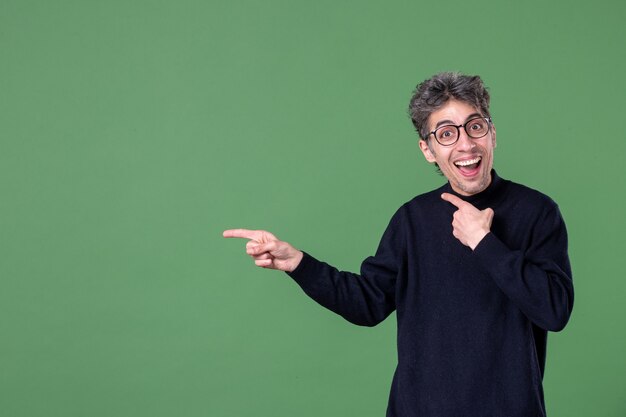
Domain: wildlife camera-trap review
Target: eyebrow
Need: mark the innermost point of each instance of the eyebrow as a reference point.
(450, 122)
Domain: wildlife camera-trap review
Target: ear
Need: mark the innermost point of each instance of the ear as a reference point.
(493, 134)
(428, 154)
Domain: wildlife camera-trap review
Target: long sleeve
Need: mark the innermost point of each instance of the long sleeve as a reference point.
(472, 325)
(538, 280)
(365, 299)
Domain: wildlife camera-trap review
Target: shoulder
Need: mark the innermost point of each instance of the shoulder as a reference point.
(526, 197)
(529, 206)
(419, 209)
(422, 203)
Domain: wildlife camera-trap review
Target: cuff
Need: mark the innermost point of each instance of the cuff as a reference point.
(305, 269)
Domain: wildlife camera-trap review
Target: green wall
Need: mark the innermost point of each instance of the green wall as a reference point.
(133, 132)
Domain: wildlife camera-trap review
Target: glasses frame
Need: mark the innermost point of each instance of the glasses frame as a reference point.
(458, 130)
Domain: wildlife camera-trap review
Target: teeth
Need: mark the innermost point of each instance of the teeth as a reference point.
(468, 162)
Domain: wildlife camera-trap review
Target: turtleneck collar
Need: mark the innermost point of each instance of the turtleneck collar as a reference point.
(484, 198)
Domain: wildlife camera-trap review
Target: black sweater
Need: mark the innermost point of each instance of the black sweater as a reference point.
(472, 325)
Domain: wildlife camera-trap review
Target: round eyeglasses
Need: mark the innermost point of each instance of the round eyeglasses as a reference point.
(475, 128)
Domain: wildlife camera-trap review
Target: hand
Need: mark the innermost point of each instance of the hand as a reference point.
(267, 251)
(469, 224)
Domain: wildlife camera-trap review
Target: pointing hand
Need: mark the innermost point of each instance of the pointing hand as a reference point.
(469, 225)
(267, 251)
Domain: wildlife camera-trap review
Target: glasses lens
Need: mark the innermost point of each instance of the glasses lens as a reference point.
(477, 128)
(447, 134)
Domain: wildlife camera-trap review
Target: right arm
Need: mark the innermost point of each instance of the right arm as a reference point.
(365, 299)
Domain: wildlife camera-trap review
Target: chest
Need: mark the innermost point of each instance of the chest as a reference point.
(441, 271)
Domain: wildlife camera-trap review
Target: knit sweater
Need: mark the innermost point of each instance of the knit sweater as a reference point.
(472, 325)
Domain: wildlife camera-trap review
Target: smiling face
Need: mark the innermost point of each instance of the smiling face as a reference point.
(467, 163)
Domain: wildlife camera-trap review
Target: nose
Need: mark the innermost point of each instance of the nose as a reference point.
(464, 142)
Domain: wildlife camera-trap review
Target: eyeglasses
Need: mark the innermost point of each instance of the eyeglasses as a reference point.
(475, 128)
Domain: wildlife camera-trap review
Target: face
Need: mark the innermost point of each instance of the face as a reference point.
(467, 163)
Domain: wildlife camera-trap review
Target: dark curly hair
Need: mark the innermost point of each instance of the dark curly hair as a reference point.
(434, 93)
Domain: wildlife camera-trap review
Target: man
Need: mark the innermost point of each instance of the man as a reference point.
(476, 270)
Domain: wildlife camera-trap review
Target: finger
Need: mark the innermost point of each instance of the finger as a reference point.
(262, 248)
(456, 201)
(251, 248)
(243, 233)
(262, 256)
(263, 263)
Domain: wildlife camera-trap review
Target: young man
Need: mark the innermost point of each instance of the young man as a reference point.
(476, 270)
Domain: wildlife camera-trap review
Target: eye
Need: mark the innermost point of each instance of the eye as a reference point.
(477, 125)
(477, 128)
(446, 132)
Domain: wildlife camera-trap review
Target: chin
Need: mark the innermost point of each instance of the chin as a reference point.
(465, 187)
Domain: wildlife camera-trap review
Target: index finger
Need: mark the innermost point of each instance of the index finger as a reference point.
(243, 233)
(451, 198)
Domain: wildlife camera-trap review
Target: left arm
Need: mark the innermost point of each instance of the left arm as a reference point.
(537, 280)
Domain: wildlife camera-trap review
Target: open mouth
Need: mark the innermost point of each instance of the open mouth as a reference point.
(469, 167)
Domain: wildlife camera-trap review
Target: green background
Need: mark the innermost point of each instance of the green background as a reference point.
(133, 132)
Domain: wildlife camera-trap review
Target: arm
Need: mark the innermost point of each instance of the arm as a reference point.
(365, 299)
(539, 279)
